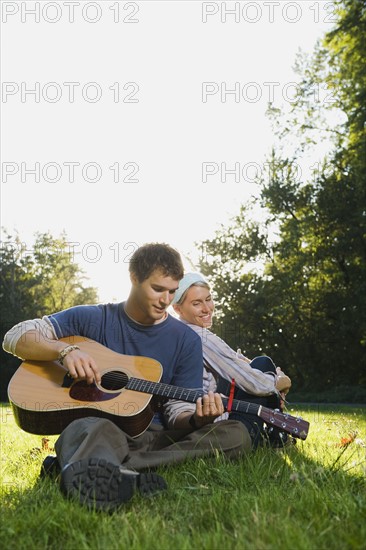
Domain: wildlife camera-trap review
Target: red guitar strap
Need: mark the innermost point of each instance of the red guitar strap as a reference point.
(231, 395)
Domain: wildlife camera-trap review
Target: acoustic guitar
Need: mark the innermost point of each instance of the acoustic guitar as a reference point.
(45, 399)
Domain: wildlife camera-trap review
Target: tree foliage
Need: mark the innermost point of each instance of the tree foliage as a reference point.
(294, 286)
(37, 282)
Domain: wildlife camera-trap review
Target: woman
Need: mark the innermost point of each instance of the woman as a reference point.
(257, 381)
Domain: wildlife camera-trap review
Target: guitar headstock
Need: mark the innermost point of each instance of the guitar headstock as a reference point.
(293, 425)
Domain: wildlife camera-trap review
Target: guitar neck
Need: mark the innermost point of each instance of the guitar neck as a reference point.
(297, 427)
(184, 394)
(164, 390)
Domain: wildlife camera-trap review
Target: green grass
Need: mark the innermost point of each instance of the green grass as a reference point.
(311, 496)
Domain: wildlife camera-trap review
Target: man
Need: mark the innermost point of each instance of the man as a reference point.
(98, 461)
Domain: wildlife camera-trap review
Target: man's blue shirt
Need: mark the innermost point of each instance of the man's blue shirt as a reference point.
(177, 348)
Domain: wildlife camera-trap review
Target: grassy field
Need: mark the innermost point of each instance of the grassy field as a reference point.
(310, 496)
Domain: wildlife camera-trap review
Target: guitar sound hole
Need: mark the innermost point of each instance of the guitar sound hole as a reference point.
(114, 380)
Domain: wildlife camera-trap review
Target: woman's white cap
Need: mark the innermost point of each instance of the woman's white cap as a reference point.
(188, 280)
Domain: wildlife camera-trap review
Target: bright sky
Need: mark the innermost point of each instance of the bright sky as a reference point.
(124, 122)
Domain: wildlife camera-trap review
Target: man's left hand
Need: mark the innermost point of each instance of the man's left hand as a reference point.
(208, 407)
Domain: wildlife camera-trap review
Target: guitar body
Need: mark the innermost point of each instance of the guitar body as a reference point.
(45, 400)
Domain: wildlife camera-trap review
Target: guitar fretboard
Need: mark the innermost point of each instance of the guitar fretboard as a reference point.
(184, 394)
(296, 426)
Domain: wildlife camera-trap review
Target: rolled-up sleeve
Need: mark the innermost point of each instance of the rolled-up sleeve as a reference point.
(173, 408)
(12, 337)
(188, 375)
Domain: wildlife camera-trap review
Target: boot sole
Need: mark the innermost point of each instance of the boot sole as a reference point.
(102, 485)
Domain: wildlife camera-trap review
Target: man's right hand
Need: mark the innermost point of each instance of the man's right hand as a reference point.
(35, 345)
(82, 366)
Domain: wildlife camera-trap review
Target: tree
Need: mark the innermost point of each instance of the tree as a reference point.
(306, 303)
(35, 283)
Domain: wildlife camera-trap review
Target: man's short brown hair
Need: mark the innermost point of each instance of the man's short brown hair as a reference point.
(154, 257)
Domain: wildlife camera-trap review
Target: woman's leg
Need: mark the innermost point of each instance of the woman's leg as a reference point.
(263, 363)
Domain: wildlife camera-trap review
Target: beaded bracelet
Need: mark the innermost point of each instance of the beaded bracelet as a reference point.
(65, 351)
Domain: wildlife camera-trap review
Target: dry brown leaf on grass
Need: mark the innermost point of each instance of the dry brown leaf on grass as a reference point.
(345, 441)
